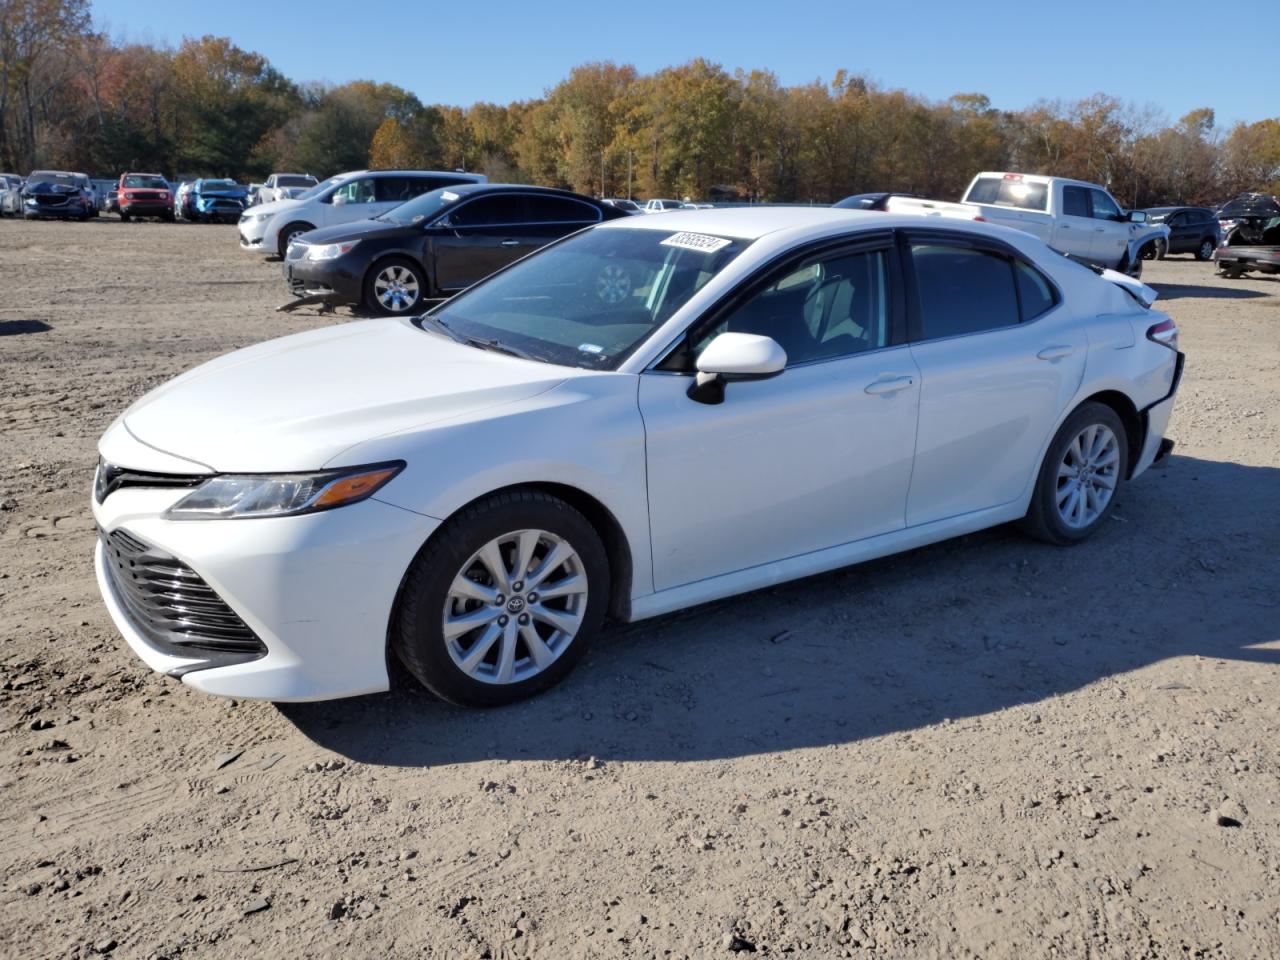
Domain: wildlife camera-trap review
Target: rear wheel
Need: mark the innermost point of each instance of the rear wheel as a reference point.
(1082, 473)
(395, 286)
(1205, 250)
(503, 600)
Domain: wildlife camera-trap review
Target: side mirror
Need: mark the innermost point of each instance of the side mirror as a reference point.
(1137, 216)
(735, 356)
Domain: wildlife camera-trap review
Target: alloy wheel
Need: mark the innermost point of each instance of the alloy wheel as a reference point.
(1206, 250)
(1087, 476)
(396, 288)
(515, 606)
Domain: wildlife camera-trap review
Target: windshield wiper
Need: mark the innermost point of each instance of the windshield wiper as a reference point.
(441, 327)
(497, 346)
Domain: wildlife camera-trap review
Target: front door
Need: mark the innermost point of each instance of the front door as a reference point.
(479, 237)
(816, 457)
(1111, 230)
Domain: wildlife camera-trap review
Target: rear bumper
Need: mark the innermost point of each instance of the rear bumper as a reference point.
(1262, 259)
(1155, 446)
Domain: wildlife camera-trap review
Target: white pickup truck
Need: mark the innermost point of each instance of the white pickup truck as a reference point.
(1079, 219)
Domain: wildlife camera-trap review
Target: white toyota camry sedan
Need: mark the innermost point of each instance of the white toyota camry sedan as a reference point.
(649, 414)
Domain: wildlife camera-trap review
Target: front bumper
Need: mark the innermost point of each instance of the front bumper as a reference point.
(335, 280)
(147, 208)
(317, 590)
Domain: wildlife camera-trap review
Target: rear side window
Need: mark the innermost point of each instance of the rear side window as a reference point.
(962, 290)
(560, 210)
(1075, 202)
(1009, 192)
(1035, 294)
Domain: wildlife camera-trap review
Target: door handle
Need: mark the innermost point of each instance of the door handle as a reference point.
(1099, 229)
(510, 243)
(1056, 352)
(892, 385)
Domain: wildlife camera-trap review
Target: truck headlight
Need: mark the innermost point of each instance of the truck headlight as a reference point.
(238, 497)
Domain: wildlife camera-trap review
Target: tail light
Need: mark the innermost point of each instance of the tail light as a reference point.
(1164, 333)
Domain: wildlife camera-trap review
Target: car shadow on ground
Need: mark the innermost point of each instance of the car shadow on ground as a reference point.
(11, 328)
(959, 629)
(1181, 291)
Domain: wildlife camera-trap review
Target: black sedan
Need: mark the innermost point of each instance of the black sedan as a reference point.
(434, 245)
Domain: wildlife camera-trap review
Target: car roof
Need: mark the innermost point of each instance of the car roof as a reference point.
(751, 223)
(471, 189)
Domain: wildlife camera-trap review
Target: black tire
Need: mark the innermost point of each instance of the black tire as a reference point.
(288, 233)
(417, 634)
(1162, 249)
(1205, 250)
(1042, 520)
(371, 301)
(124, 217)
(1151, 251)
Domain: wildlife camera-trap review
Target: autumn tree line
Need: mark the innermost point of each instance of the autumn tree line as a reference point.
(72, 98)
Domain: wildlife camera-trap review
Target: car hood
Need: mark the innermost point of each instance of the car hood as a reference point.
(298, 403)
(360, 229)
(275, 206)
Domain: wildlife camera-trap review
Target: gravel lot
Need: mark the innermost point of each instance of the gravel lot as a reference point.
(986, 748)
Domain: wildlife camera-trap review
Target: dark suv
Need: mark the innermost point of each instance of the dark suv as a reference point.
(1191, 230)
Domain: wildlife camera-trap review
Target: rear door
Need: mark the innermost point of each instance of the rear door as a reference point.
(1111, 229)
(999, 356)
(550, 218)
(477, 237)
(1073, 233)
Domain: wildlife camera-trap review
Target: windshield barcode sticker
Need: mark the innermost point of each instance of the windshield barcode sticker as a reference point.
(696, 241)
(449, 195)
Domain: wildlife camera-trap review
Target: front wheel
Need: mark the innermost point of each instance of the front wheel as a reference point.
(503, 600)
(289, 234)
(1205, 250)
(395, 287)
(1082, 473)
(124, 217)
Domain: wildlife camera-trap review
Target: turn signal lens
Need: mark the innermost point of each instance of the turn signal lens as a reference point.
(348, 489)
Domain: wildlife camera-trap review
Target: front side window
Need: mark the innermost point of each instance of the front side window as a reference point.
(831, 307)
(1104, 208)
(360, 190)
(590, 300)
(962, 290)
(503, 209)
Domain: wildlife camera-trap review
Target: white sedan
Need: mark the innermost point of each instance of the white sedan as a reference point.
(649, 414)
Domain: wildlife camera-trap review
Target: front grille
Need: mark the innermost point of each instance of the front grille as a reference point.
(172, 606)
(111, 478)
(46, 200)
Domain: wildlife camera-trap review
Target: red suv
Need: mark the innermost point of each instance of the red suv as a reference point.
(144, 195)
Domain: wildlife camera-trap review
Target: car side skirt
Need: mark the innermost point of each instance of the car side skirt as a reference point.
(821, 561)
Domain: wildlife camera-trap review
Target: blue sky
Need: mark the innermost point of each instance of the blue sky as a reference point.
(1162, 55)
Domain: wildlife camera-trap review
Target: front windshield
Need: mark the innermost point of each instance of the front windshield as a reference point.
(153, 183)
(295, 181)
(42, 176)
(591, 299)
(219, 185)
(425, 206)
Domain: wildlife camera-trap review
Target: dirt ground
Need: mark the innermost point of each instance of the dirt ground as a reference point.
(987, 748)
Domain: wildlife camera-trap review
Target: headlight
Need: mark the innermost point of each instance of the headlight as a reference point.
(331, 251)
(231, 497)
(30, 200)
(262, 217)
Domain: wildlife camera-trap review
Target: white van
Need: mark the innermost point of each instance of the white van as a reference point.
(359, 195)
